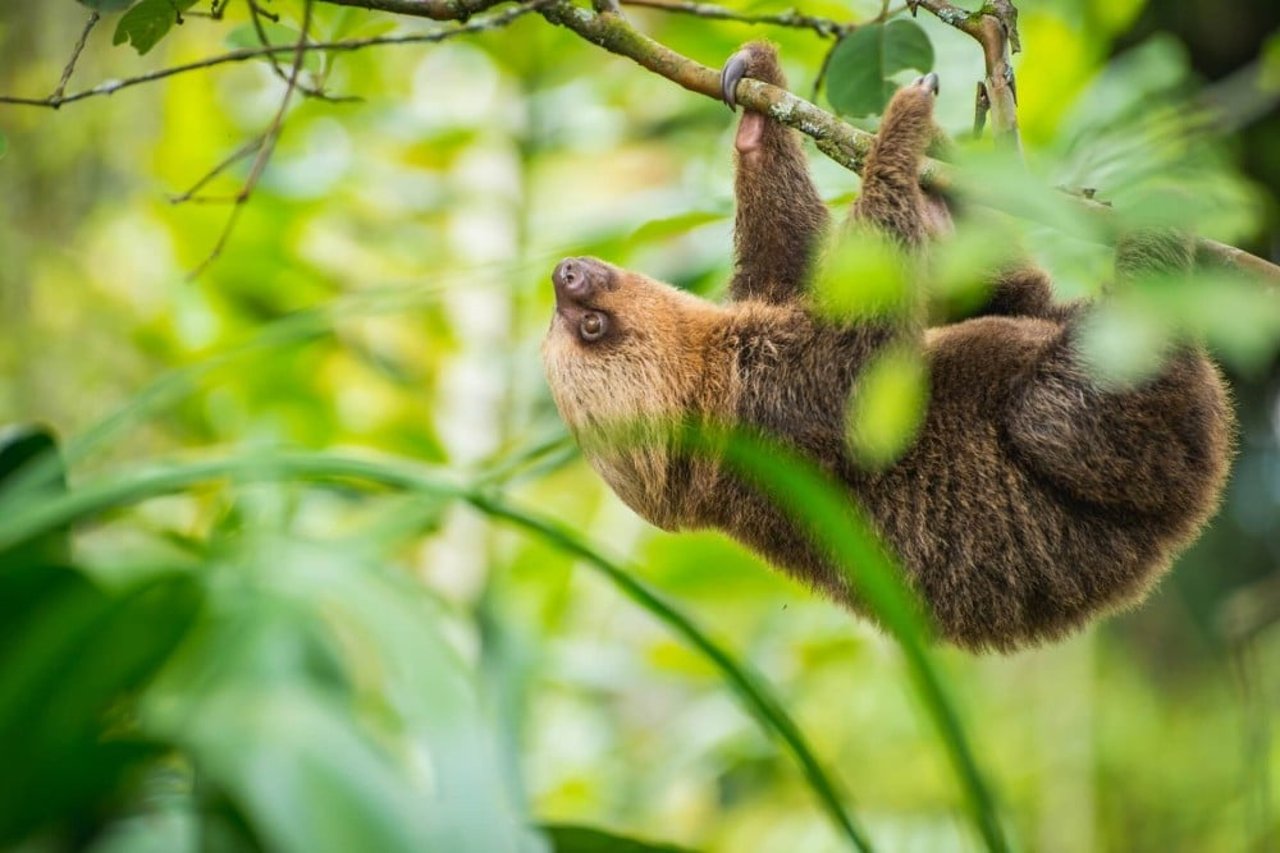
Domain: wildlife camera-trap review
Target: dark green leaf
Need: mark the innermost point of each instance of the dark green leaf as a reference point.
(148, 22)
(25, 588)
(585, 839)
(29, 460)
(78, 654)
(858, 81)
(107, 5)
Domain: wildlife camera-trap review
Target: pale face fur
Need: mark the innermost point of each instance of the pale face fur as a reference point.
(650, 366)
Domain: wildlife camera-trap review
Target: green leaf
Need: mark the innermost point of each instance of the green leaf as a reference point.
(858, 81)
(672, 226)
(887, 407)
(29, 460)
(4, 145)
(1269, 75)
(864, 276)
(78, 654)
(107, 5)
(303, 775)
(148, 22)
(585, 839)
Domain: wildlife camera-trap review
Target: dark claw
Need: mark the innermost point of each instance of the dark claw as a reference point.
(928, 81)
(732, 73)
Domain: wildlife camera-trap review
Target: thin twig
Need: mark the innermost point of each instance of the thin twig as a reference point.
(235, 157)
(825, 27)
(839, 141)
(75, 56)
(995, 27)
(256, 14)
(266, 147)
(437, 10)
(110, 87)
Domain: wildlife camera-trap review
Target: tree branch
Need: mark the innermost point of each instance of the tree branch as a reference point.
(436, 10)
(794, 19)
(841, 142)
(256, 14)
(267, 146)
(110, 87)
(75, 56)
(248, 149)
(995, 27)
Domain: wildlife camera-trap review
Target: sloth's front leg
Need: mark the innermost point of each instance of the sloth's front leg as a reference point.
(891, 199)
(780, 218)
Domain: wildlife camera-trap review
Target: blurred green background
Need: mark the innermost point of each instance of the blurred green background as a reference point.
(252, 662)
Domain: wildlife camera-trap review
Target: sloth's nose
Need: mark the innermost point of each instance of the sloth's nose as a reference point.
(577, 279)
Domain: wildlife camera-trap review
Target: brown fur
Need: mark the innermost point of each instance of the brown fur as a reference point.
(1033, 497)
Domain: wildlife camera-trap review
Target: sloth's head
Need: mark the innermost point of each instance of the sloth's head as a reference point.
(624, 349)
(622, 346)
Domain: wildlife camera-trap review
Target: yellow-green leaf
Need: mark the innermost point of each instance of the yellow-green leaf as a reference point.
(887, 407)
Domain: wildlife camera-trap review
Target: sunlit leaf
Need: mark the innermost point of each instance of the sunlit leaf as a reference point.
(887, 406)
(865, 275)
(1269, 76)
(585, 839)
(858, 78)
(1128, 335)
(961, 265)
(1122, 343)
(672, 226)
(148, 22)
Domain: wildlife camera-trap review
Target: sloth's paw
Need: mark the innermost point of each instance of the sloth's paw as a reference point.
(928, 82)
(757, 60)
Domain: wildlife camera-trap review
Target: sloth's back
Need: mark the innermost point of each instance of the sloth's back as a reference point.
(1001, 547)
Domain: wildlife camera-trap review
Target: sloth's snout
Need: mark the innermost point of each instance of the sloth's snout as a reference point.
(579, 279)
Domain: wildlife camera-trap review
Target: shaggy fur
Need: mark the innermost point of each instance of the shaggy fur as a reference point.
(1033, 498)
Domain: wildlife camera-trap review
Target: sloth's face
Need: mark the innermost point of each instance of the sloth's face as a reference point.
(624, 352)
(621, 346)
(590, 298)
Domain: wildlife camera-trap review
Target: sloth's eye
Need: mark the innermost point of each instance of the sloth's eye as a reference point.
(593, 326)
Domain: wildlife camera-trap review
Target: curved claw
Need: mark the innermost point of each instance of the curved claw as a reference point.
(928, 82)
(730, 75)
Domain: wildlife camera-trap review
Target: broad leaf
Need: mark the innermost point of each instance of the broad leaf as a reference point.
(858, 81)
(28, 451)
(107, 5)
(68, 664)
(585, 839)
(148, 22)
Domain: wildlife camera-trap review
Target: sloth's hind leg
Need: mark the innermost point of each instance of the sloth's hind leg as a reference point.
(1157, 448)
(891, 199)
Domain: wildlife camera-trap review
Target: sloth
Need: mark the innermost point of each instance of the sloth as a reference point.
(1034, 496)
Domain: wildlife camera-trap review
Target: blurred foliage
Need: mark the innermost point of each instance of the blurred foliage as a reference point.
(260, 659)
